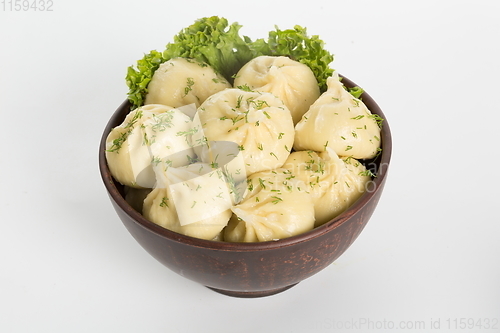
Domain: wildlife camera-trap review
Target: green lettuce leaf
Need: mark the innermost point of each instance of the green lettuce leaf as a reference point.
(356, 91)
(213, 41)
(138, 78)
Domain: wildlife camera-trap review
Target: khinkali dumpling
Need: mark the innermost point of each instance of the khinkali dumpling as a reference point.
(259, 123)
(183, 81)
(193, 200)
(274, 207)
(340, 121)
(149, 135)
(334, 183)
(288, 79)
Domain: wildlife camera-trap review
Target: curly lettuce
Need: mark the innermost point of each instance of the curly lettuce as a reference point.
(138, 78)
(214, 41)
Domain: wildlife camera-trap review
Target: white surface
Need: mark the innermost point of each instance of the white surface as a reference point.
(430, 254)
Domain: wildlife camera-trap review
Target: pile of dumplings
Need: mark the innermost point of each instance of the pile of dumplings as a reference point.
(265, 158)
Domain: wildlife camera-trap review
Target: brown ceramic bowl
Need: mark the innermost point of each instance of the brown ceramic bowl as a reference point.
(251, 269)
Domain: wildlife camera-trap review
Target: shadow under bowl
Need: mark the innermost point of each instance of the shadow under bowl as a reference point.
(251, 269)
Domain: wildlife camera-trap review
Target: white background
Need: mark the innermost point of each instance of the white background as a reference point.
(429, 256)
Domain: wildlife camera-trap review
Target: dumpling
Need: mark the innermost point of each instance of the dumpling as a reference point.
(274, 207)
(334, 183)
(340, 121)
(182, 81)
(226, 156)
(288, 79)
(259, 123)
(149, 135)
(193, 200)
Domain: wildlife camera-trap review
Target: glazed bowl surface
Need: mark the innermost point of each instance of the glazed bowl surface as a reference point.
(252, 269)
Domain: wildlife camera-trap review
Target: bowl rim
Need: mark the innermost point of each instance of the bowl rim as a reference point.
(383, 163)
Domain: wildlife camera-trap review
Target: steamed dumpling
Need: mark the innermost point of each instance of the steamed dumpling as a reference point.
(259, 123)
(334, 183)
(149, 135)
(340, 121)
(288, 79)
(274, 207)
(226, 156)
(193, 200)
(181, 81)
